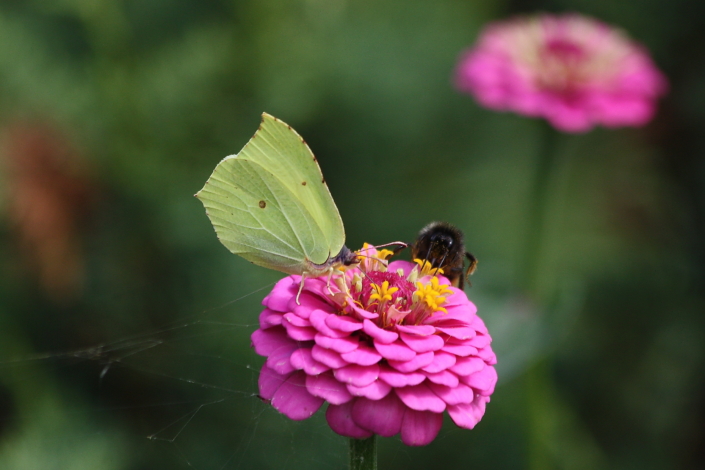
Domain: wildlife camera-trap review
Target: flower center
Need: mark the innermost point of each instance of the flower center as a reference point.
(562, 64)
(395, 297)
(382, 289)
(564, 50)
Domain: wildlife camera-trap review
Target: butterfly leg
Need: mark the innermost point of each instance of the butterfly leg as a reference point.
(301, 287)
(330, 276)
(340, 281)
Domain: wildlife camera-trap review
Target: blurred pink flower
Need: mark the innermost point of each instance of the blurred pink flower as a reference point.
(572, 70)
(390, 350)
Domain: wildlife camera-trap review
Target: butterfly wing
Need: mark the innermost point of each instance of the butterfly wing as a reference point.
(270, 204)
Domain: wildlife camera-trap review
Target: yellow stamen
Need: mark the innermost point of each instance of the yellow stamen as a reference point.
(384, 254)
(433, 294)
(383, 293)
(427, 268)
(413, 275)
(357, 282)
(369, 259)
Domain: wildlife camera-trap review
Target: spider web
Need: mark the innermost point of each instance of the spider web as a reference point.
(193, 403)
(183, 396)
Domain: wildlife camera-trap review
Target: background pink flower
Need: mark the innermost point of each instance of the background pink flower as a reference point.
(572, 70)
(385, 361)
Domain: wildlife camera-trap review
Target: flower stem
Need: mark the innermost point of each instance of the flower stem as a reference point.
(363, 453)
(539, 198)
(538, 383)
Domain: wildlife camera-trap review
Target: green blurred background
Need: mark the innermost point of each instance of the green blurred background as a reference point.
(124, 324)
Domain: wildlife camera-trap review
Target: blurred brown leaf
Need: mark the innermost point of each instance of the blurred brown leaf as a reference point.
(48, 193)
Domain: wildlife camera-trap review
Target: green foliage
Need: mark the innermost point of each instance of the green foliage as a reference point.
(145, 330)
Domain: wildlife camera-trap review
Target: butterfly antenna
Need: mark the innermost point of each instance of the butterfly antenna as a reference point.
(402, 245)
(371, 257)
(364, 274)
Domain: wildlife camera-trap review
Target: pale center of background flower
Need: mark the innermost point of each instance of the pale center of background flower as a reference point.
(566, 55)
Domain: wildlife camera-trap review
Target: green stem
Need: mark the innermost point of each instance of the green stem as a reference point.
(538, 382)
(538, 376)
(363, 453)
(539, 198)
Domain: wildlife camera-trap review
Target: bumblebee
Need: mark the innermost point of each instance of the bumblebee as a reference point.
(441, 244)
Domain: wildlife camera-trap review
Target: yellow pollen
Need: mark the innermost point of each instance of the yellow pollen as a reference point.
(360, 257)
(383, 293)
(384, 254)
(427, 268)
(369, 259)
(433, 294)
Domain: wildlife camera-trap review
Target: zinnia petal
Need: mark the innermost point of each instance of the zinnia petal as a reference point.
(422, 344)
(269, 318)
(444, 377)
(381, 373)
(280, 296)
(382, 416)
(306, 304)
(468, 415)
(421, 398)
(465, 366)
(400, 379)
(293, 400)
(329, 388)
(318, 320)
(299, 333)
(303, 359)
(341, 345)
(357, 375)
(340, 420)
(374, 391)
(363, 355)
(419, 361)
(453, 395)
(483, 381)
(269, 382)
(296, 320)
(396, 351)
(343, 324)
(265, 342)
(378, 334)
(419, 428)
(441, 361)
(279, 359)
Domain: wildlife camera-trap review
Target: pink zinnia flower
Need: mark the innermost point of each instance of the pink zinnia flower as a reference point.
(390, 348)
(574, 71)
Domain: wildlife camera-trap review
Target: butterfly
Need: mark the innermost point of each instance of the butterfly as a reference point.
(270, 204)
(441, 245)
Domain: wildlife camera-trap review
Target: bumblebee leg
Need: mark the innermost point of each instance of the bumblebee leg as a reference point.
(471, 266)
(456, 276)
(473, 263)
